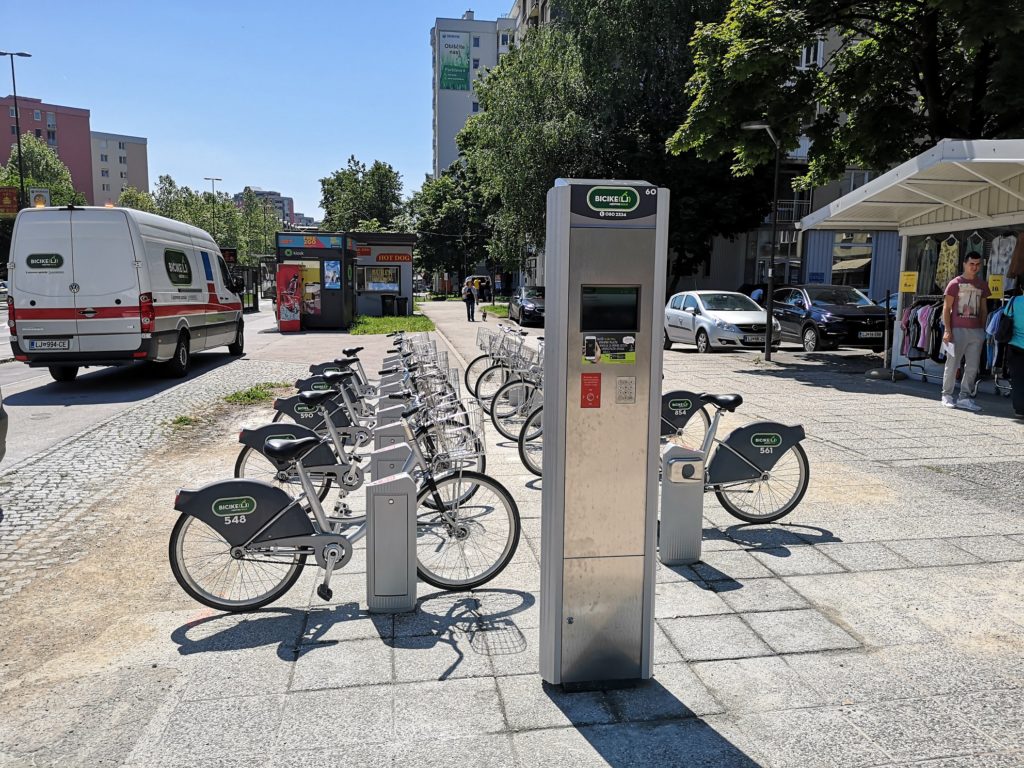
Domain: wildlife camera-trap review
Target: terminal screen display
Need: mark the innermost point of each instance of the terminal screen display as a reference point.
(610, 308)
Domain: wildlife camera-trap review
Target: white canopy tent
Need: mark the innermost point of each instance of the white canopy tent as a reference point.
(953, 187)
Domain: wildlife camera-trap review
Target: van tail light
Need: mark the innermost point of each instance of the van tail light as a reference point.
(10, 317)
(147, 313)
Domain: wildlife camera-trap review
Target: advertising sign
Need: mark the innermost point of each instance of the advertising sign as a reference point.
(311, 288)
(8, 199)
(394, 257)
(382, 279)
(908, 282)
(289, 297)
(454, 61)
(332, 275)
(310, 241)
(996, 284)
(38, 197)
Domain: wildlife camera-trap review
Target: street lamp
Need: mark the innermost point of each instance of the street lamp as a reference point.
(769, 304)
(213, 190)
(23, 200)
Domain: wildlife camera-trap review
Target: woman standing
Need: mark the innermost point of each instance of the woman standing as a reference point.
(470, 298)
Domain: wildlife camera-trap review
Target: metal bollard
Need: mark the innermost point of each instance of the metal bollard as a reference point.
(391, 544)
(389, 414)
(388, 435)
(682, 506)
(388, 461)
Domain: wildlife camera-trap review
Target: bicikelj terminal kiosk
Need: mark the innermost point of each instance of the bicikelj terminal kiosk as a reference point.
(606, 253)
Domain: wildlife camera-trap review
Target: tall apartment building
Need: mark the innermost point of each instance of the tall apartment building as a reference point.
(463, 49)
(284, 206)
(64, 129)
(118, 162)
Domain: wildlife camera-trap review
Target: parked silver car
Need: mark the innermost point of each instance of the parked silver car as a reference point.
(717, 319)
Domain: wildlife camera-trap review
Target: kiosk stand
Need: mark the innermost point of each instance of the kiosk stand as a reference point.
(606, 258)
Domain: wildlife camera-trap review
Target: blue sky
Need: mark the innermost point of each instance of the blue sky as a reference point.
(272, 94)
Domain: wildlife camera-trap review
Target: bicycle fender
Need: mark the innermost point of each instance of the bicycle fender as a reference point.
(238, 509)
(312, 384)
(677, 407)
(761, 443)
(257, 438)
(308, 415)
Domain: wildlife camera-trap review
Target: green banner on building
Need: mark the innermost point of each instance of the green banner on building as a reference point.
(454, 55)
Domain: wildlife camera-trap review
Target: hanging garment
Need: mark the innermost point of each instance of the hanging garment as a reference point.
(999, 259)
(928, 254)
(949, 262)
(975, 245)
(924, 317)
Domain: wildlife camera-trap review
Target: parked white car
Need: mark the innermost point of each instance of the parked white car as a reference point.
(717, 319)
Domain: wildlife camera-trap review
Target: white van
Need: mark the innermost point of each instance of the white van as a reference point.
(112, 286)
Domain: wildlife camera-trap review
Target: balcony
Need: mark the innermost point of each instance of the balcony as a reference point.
(790, 211)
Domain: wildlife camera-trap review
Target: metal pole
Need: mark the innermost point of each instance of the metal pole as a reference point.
(769, 304)
(23, 200)
(213, 190)
(887, 355)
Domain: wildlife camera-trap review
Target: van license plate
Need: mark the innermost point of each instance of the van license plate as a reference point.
(870, 334)
(753, 339)
(43, 345)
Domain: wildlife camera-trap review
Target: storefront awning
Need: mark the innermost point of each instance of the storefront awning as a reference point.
(851, 264)
(955, 185)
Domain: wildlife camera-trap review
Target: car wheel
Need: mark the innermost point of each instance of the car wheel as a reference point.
(178, 366)
(237, 348)
(63, 373)
(703, 342)
(811, 339)
(667, 344)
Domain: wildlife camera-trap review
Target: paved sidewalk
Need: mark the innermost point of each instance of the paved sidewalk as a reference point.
(881, 625)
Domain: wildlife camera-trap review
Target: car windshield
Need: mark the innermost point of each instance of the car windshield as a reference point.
(535, 293)
(842, 295)
(729, 302)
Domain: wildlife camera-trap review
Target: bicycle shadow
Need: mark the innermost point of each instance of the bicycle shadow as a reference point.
(774, 539)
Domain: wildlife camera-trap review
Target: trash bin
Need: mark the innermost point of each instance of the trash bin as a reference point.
(403, 305)
(387, 305)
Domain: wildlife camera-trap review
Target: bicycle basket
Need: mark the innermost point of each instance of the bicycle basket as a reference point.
(459, 437)
(484, 336)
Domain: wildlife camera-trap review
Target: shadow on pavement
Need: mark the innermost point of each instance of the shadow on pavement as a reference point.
(777, 538)
(126, 384)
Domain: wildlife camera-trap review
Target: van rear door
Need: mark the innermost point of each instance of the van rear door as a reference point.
(107, 276)
(41, 283)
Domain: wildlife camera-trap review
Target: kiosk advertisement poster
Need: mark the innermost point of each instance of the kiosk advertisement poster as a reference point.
(454, 61)
(332, 275)
(289, 296)
(609, 348)
(382, 279)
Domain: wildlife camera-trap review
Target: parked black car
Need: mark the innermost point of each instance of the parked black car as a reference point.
(829, 316)
(527, 305)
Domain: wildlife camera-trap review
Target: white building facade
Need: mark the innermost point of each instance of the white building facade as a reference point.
(118, 161)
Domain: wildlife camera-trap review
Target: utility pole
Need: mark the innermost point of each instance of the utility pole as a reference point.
(23, 200)
(213, 189)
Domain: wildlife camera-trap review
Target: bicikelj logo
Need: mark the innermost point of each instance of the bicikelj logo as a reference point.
(305, 408)
(766, 440)
(613, 199)
(236, 505)
(179, 271)
(680, 405)
(44, 261)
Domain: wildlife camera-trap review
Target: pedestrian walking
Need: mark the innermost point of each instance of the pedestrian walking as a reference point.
(1015, 352)
(470, 299)
(965, 314)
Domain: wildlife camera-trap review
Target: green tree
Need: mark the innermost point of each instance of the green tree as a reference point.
(43, 168)
(131, 197)
(596, 95)
(904, 74)
(357, 193)
(451, 223)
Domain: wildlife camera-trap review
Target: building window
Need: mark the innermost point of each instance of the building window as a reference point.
(51, 137)
(122, 159)
(105, 173)
(124, 174)
(37, 115)
(476, 107)
(39, 133)
(476, 63)
(103, 158)
(106, 187)
(851, 259)
(103, 143)
(51, 120)
(811, 56)
(504, 38)
(12, 112)
(120, 145)
(476, 42)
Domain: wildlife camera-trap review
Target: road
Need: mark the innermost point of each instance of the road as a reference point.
(43, 412)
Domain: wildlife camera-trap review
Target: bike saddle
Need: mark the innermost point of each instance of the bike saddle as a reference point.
(352, 351)
(344, 362)
(333, 376)
(725, 402)
(287, 450)
(315, 398)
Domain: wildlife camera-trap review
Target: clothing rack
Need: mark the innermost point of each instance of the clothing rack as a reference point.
(912, 366)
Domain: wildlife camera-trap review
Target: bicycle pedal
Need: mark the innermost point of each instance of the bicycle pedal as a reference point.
(325, 593)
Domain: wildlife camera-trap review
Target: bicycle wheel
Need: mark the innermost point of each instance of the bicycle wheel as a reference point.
(253, 465)
(531, 442)
(489, 383)
(477, 365)
(695, 430)
(463, 544)
(772, 497)
(510, 406)
(202, 564)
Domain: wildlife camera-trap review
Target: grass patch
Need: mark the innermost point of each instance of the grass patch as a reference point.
(498, 310)
(180, 422)
(365, 325)
(258, 393)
